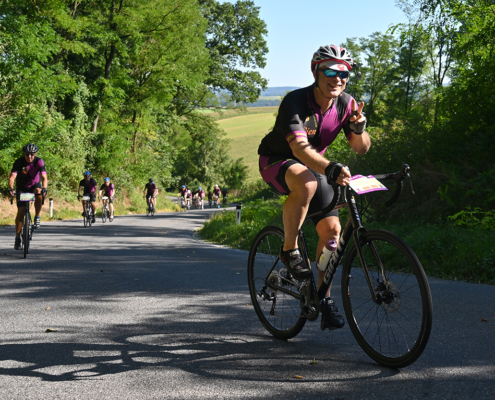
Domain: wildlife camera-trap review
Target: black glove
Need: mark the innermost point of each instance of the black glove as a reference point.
(333, 170)
(44, 191)
(358, 128)
(12, 192)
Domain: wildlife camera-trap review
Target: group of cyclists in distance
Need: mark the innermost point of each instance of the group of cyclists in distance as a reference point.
(197, 196)
(29, 175)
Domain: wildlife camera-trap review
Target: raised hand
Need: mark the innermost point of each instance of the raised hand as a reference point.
(357, 122)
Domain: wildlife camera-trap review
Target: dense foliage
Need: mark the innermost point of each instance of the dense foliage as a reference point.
(113, 86)
(428, 87)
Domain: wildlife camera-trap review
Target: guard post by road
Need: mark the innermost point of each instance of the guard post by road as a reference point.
(238, 214)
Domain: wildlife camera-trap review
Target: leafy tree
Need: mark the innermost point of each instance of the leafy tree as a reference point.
(236, 43)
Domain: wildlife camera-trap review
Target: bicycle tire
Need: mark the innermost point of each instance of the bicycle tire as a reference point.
(25, 232)
(394, 330)
(279, 312)
(104, 214)
(89, 213)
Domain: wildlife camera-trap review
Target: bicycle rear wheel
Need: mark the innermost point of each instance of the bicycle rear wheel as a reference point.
(104, 214)
(25, 231)
(394, 328)
(274, 293)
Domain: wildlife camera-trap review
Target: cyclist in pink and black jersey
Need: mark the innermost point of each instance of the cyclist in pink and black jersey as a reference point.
(88, 187)
(151, 192)
(108, 189)
(29, 175)
(292, 162)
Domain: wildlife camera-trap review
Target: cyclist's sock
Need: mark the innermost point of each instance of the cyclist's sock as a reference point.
(17, 244)
(37, 222)
(295, 263)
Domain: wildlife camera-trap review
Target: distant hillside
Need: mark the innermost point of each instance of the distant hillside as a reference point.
(277, 91)
(271, 96)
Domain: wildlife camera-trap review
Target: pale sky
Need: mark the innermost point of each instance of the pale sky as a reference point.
(297, 28)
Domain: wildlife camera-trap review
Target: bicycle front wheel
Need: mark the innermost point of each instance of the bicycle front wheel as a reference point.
(393, 325)
(104, 214)
(274, 292)
(25, 232)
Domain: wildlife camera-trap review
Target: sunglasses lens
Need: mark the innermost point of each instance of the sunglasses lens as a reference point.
(330, 72)
(343, 74)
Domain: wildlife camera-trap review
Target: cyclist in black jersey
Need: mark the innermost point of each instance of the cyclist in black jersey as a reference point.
(291, 157)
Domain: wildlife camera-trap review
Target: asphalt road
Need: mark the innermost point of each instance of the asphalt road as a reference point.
(141, 309)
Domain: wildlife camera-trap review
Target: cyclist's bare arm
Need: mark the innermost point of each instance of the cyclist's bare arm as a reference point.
(304, 152)
(11, 181)
(44, 180)
(360, 143)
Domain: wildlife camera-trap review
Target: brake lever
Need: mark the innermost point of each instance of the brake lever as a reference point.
(410, 182)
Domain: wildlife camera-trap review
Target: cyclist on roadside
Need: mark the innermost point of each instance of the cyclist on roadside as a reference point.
(108, 189)
(210, 197)
(88, 186)
(151, 192)
(224, 195)
(27, 172)
(198, 194)
(216, 195)
(291, 158)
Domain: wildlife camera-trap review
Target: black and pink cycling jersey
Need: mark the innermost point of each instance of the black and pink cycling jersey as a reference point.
(183, 191)
(216, 192)
(150, 189)
(28, 174)
(299, 115)
(109, 190)
(89, 186)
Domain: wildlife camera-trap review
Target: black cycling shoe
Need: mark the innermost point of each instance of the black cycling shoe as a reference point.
(37, 222)
(84, 213)
(18, 243)
(330, 316)
(93, 220)
(295, 264)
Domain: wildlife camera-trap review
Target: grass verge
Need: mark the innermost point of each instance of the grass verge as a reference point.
(445, 250)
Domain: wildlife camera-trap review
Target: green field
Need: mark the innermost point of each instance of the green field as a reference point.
(245, 132)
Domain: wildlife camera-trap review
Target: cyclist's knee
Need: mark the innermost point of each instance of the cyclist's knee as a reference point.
(328, 228)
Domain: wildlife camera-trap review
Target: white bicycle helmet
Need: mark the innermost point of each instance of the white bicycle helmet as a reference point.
(334, 53)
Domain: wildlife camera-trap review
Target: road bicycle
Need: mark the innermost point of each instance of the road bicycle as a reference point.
(198, 202)
(88, 211)
(27, 225)
(105, 211)
(150, 210)
(215, 202)
(385, 291)
(224, 201)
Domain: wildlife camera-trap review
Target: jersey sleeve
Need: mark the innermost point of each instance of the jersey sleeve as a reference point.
(291, 118)
(41, 166)
(17, 167)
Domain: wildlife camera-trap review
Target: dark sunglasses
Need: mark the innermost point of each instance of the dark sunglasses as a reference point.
(30, 154)
(332, 74)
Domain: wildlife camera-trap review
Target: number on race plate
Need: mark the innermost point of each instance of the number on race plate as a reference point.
(85, 197)
(365, 184)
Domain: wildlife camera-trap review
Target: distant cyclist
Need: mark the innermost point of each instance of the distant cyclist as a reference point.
(88, 186)
(108, 189)
(151, 192)
(27, 172)
(224, 195)
(183, 193)
(198, 194)
(216, 195)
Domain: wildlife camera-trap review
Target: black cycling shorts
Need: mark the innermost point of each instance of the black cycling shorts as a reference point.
(324, 191)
